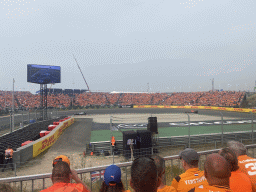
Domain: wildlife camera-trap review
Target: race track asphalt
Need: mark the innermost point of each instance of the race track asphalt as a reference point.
(5, 121)
(74, 138)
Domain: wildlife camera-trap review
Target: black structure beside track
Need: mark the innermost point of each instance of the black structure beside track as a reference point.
(176, 141)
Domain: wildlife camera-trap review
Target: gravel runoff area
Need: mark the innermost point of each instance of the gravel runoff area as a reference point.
(143, 118)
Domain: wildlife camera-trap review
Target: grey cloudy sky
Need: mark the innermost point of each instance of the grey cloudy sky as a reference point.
(123, 45)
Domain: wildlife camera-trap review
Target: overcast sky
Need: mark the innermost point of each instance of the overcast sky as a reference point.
(130, 45)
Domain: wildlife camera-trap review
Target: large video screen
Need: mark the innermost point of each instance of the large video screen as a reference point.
(43, 74)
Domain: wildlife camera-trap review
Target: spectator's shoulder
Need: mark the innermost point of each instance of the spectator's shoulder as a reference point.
(177, 178)
(167, 188)
(192, 190)
(171, 189)
(181, 176)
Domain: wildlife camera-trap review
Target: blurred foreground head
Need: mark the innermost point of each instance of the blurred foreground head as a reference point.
(112, 180)
(231, 158)
(61, 172)
(144, 175)
(217, 170)
(237, 147)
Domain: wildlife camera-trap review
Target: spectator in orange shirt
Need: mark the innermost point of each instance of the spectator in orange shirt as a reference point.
(239, 181)
(144, 175)
(193, 177)
(8, 158)
(61, 177)
(159, 161)
(217, 172)
(246, 164)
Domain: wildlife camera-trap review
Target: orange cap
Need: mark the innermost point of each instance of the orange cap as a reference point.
(61, 158)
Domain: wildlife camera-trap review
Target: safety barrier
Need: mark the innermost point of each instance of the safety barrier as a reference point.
(198, 107)
(24, 153)
(47, 141)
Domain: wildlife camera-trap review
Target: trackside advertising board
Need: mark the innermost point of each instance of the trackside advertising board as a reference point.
(47, 141)
(197, 107)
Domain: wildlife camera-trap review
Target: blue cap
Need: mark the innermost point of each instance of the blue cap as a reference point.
(112, 173)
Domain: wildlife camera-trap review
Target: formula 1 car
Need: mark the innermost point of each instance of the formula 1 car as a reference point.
(81, 113)
(192, 111)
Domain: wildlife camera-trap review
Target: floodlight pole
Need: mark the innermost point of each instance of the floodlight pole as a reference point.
(12, 106)
(41, 100)
(252, 128)
(221, 129)
(188, 130)
(45, 101)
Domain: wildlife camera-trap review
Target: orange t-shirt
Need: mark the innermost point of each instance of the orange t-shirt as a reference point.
(8, 153)
(66, 187)
(248, 166)
(167, 189)
(213, 188)
(240, 182)
(191, 178)
(113, 141)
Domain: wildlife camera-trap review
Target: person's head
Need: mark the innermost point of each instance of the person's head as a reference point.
(61, 173)
(144, 175)
(61, 158)
(217, 170)
(189, 158)
(230, 157)
(8, 147)
(237, 147)
(112, 180)
(160, 165)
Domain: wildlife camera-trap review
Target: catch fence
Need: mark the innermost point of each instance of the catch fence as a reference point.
(23, 118)
(184, 124)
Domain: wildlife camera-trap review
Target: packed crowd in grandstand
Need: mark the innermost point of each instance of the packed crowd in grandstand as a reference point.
(28, 100)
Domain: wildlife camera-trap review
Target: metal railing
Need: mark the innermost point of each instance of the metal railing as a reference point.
(120, 123)
(23, 118)
(43, 177)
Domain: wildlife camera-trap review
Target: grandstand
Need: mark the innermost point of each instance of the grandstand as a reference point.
(68, 97)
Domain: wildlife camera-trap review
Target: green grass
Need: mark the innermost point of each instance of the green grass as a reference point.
(105, 135)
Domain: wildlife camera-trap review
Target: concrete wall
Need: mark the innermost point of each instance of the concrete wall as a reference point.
(23, 154)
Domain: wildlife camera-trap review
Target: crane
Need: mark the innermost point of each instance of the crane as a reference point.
(81, 73)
